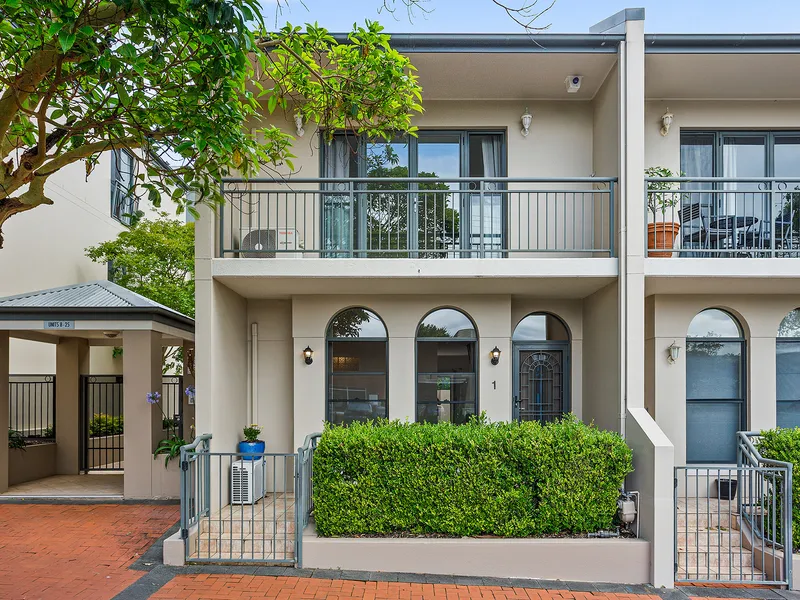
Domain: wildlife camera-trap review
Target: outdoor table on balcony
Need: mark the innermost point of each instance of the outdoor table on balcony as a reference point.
(726, 228)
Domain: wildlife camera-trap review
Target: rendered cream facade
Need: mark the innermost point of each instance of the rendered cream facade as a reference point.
(622, 312)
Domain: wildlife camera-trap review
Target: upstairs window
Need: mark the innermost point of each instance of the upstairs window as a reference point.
(123, 202)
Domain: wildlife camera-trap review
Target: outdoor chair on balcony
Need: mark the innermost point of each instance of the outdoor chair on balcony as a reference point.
(787, 238)
(696, 234)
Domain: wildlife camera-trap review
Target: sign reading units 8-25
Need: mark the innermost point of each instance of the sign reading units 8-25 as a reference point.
(59, 324)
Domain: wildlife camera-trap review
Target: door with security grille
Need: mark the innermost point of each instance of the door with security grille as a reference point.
(541, 389)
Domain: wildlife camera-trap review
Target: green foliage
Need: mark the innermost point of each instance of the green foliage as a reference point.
(186, 86)
(504, 479)
(168, 423)
(784, 445)
(661, 194)
(169, 448)
(154, 258)
(102, 424)
(251, 433)
(16, 440)
(50, 432)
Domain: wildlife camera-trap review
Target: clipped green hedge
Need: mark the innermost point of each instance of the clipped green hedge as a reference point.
(505, 479)
(784, 445)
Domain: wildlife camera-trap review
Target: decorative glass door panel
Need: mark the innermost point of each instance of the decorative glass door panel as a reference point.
(540, 386)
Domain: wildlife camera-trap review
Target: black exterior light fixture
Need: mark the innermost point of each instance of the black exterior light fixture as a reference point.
(495, 354)
(308, 354)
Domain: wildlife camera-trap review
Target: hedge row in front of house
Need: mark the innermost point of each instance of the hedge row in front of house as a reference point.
(784, 445)
(504, 479)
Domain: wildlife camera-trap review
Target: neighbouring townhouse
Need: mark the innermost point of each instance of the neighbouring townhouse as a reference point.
(600, 223)
(62, 324)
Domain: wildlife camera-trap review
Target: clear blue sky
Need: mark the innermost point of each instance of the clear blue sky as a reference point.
(573, 16)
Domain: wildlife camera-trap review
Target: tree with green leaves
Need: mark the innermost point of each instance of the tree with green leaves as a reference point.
(154, 258)
(186, 86)
(179, 83)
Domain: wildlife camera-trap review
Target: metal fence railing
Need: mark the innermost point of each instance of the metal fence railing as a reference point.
(723, 217)
(172, 404)
(32, 405)
(417, 217)
(731, 522)
(240, 507)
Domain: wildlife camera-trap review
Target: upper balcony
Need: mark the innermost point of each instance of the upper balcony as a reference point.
(716, 217)
(418, 218)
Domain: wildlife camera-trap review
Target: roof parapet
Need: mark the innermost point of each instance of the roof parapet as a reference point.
(615, 24)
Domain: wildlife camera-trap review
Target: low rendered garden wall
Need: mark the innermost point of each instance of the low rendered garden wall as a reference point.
(35, 461)
(503, 479)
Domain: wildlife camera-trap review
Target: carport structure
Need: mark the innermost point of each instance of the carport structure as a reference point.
(100, 313)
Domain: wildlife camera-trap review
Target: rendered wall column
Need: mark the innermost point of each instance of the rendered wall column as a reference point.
(141, 369)
(4, 360)
(72, 361)
(761, 381)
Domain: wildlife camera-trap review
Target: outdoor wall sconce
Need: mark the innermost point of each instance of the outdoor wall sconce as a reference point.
(673, 352)
(495, 354)
(308, 354)
(298, 123)
(666, 122)
(526, 119)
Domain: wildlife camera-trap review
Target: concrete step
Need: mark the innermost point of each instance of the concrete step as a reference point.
(711, 557)
(707, 520)
(257, 526)
(243, 549)
(732, 574)
(698, 538)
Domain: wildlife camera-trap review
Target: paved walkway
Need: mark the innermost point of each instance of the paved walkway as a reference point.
(105, 551)
(75, 551)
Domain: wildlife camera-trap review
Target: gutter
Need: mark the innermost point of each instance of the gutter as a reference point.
(760, 43)
(487, 43)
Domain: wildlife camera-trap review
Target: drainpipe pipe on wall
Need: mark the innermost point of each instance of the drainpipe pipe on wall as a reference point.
(622, 330)
(252, 409)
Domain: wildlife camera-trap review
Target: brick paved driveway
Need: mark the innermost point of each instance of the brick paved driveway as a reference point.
(97, 552)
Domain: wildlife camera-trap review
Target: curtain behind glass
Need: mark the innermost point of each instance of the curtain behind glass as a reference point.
(337, 216)
(488, 165)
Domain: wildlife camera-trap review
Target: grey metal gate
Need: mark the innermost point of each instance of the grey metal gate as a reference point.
(244, 508)
(734, 524)
(102, 426)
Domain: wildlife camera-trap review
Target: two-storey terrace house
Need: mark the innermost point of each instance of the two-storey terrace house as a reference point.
(499, 262)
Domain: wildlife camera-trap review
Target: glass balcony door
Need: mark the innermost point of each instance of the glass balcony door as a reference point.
(390, 218)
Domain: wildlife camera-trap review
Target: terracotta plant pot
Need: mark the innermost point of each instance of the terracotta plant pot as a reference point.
(661, 236)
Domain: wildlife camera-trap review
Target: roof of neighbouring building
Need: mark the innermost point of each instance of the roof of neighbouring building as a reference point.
(91, 301)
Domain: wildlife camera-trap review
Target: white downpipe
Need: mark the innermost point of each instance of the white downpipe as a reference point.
(253, 408)
(623, 237)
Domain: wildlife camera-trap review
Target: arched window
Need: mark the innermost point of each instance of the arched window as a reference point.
(787, 363)
(715, 387)
(541, 368)
(446, 367)
(357, 367)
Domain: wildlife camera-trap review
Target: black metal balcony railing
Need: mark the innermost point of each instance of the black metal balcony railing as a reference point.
(719, 217)
(417, 217)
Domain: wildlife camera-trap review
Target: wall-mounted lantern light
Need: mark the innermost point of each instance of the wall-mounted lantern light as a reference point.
(526, 119)
(673, 352)
(666, 122)
(308, 354)
(495, 354)
(298, 123)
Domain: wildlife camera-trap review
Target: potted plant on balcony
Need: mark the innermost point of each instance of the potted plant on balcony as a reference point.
(661, 195)
(251, 443)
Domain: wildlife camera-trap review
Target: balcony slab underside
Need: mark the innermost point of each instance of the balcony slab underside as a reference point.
(722, 276)
(544, 277)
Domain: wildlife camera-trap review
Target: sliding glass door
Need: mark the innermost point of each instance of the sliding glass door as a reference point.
(391, 218)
